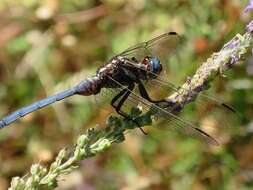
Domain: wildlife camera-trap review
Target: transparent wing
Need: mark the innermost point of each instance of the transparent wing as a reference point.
(157, 46)
(172, 120)
(206, 110)
(169, 86)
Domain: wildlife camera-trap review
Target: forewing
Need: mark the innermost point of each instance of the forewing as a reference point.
(162, 46)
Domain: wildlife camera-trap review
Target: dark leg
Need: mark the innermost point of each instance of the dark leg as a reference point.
(121, 93)
(144, 94)
(125, 93)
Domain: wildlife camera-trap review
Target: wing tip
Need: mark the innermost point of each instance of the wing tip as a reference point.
(211, 140)
(230, 108)
(173, 33)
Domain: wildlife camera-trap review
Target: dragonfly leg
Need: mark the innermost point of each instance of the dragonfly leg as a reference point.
(121, 93)
(144, 94)
(125, 93)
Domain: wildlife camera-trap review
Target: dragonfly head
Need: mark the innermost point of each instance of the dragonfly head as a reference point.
(155, 67)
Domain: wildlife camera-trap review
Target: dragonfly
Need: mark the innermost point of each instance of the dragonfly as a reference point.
(124, 72)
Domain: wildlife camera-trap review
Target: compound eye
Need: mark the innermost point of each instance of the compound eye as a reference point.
(156, 66)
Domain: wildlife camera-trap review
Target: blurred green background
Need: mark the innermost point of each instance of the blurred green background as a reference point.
(47, 46)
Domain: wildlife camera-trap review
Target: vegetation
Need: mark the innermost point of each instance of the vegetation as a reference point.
(49, 46)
